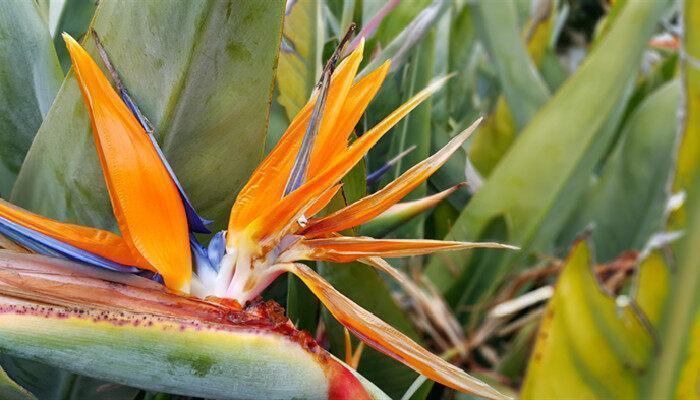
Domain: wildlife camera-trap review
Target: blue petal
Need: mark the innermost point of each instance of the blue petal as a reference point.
(374, 176)
(47, 245)
(199, 253)
(216, 249)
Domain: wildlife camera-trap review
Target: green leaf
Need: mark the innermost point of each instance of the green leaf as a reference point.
(689, 150)
(74, 18)
(675, 374)
(580, 318)
(29, 77)
(647, 348)
(9, 390)
(400, 47)
(524, 89)
(533, 189)
(628, 202)
(498, 131)
(401, 14)
(201, 72)
(300, 58)
(49, 383)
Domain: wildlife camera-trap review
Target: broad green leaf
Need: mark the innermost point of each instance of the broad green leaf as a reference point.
(9, 390)
(587, 347)
(533, 189)
(74, 18)
(29, 77)
(498, 131)
(523, 87)
(300, 57)
(202, 73)
(628, 202)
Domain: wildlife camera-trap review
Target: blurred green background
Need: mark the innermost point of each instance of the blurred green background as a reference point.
(586, 159)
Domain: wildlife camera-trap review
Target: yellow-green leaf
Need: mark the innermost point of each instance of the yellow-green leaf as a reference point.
(587, 347)
(9, 390)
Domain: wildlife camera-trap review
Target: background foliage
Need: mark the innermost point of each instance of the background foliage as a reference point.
(586, 159)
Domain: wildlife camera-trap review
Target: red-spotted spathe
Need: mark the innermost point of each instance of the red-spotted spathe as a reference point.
(269, 230)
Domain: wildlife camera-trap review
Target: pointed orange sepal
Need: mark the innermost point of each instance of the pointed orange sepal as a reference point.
(146, 202)
(382, 337)
(268, 226)
(348, 249)
(266, 184)
(97, 241)
(373, 205)
(323, 201)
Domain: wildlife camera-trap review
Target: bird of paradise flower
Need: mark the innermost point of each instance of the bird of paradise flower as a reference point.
(273, 224)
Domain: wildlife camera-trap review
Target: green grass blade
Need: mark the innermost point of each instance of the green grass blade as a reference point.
(524, 89)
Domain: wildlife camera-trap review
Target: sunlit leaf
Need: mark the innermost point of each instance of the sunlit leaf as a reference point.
(581, 317)
(300, 57)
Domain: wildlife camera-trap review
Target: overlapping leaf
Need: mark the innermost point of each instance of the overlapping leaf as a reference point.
(528, 196)
(202, 73)
(29, 77)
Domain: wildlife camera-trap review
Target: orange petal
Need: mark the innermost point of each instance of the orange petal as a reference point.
(333, 139)
(146, 203)
(97, 241)
(275, 218)
(371, 206)
(323, 201)
(347, 249)
(266, 184)
(381, 336)
(399, 213)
